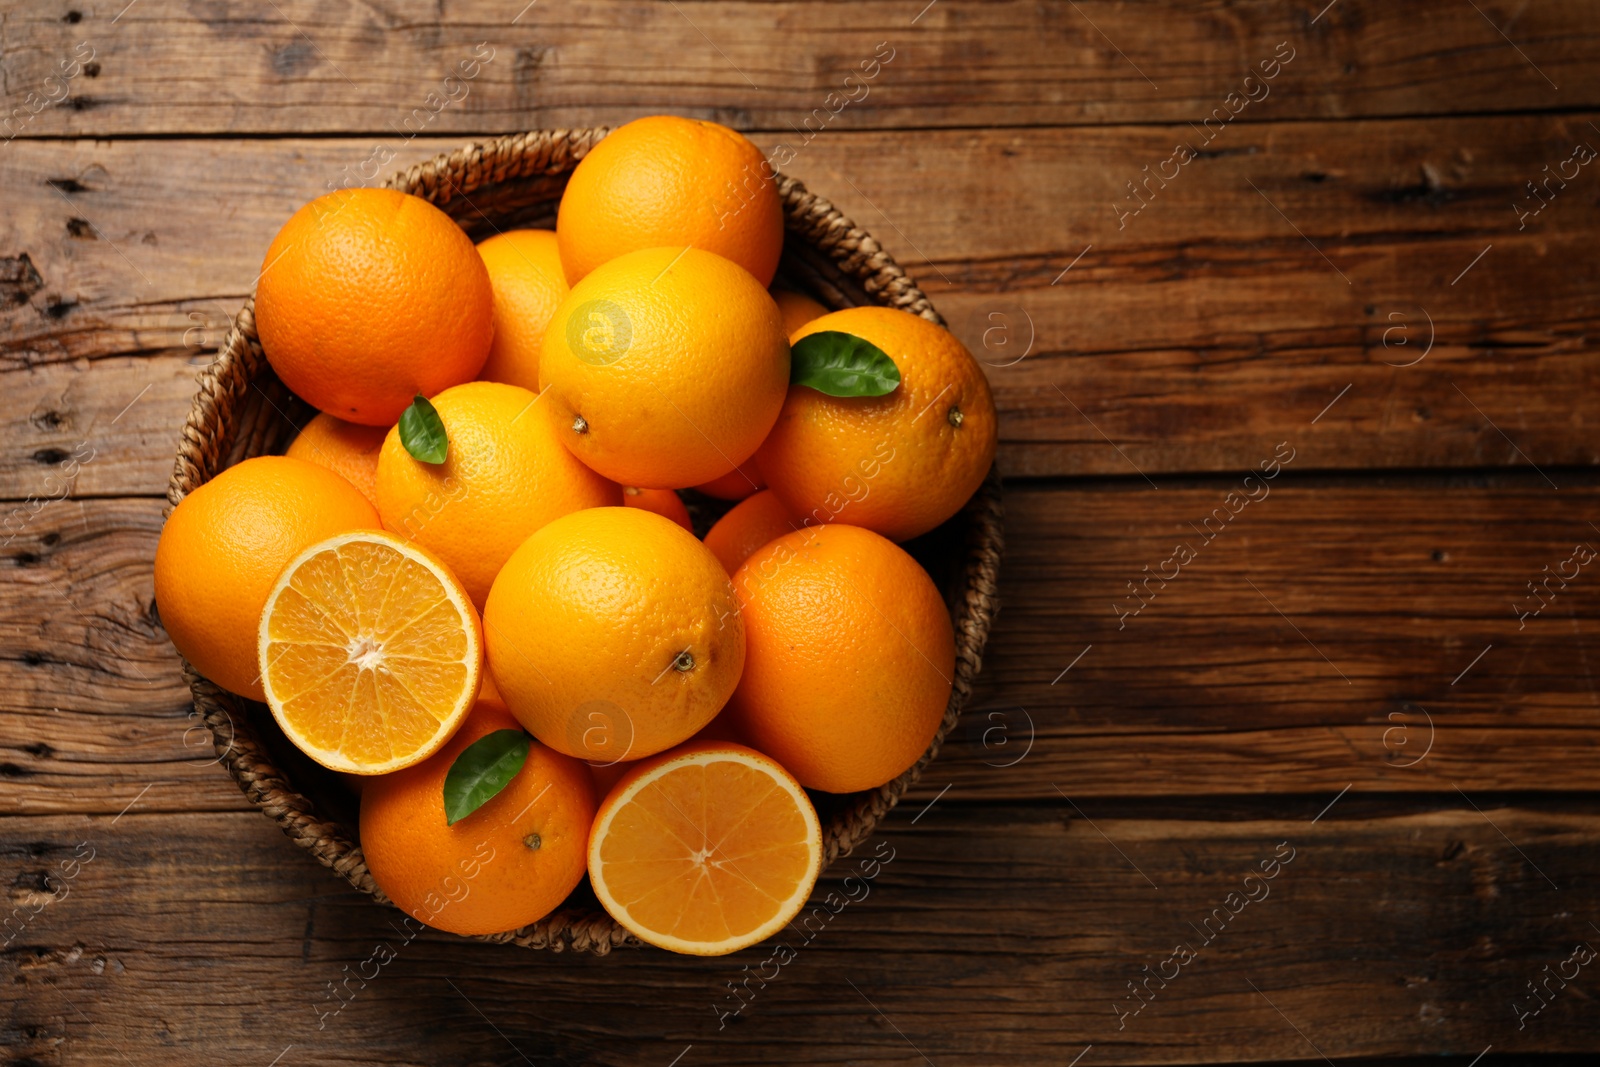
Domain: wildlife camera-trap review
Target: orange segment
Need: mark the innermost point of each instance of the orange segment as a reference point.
(706, 849)
(370, 652)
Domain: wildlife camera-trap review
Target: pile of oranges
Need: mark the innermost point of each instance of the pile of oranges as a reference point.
(472, 587)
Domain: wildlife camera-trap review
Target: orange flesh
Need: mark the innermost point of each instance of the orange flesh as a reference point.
(707, 853)
(367, 656)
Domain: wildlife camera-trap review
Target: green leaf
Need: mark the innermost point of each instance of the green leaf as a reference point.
(481, 771)
(422, 432)
(842, 364)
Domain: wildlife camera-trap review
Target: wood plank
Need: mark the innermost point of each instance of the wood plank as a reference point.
(92, 693)
(1332, 632)
(84, 435)
(991, 935)
(302, 66)
(1183, 347)
(1397, 586)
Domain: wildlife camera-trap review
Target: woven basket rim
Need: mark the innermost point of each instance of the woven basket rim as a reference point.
(824, 251)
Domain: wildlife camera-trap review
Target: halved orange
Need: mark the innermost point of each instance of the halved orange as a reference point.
(371, 652)
(706, 849)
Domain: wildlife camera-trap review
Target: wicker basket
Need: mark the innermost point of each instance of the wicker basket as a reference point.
(243, 410)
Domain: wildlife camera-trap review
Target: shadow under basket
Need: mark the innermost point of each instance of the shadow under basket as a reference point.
(242, 410)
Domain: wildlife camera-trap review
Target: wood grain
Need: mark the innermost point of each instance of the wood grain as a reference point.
(299, 66)
(1175, 344)
(1001, 935)
(1342, 269)
(1371, 675)
(83, 433)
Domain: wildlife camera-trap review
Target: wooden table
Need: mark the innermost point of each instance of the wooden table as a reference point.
(1362, 677)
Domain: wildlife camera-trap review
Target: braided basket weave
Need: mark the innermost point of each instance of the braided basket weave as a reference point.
(242, 410)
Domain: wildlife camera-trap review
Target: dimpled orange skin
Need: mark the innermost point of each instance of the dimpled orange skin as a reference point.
(368, 297)
(607, 775)
(505, 475)
(222, 548)
(751, 524)
(665, 180)
(850, 657)
(586, 625)
(899, 464)
(797, 309)
(525, 272)
(737, 484)
(666, 367)
(346, 448)
(663, 502)
(482, 875)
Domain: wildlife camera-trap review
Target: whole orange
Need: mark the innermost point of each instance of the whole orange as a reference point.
(222, 548)
(797, 309)
(666, 367)
(849, 659)
(663, 502)
(665, 180)
(613, 634)
(346, 448)
(525, 271)
(505, 475)
(369, 297)
(750, 525)
(899, 464)
(509, 863)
